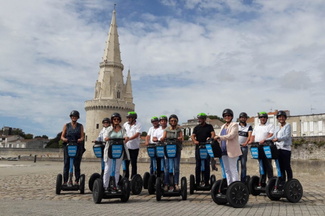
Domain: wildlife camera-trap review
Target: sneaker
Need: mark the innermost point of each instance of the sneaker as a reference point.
(76, 183)
(202, 184)
(64, 183)
(171, 188)
(69, 183)
(176, 188)
(165, 188)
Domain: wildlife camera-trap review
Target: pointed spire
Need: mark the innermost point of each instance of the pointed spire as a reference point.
(112, 54)
(128, 88)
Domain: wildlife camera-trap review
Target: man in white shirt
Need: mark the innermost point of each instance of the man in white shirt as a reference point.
(261, 132)
(133, 131)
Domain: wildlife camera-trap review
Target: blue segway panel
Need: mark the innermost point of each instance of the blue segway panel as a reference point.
(267, 151)
(160, 151)
(203, 153)
(171, 150)
(98, 151)
(115, 151)
(151, 151)
(72, 150)
(254, 152)
(209, 150)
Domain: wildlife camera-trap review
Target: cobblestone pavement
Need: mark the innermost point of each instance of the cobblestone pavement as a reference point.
(28, 188)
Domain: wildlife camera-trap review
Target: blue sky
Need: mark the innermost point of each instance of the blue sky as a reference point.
(185, 57)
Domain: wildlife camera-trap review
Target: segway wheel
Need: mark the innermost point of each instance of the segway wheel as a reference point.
(151, 184)
(136, 184)
(159, 188)
(98, 191)
(58, 184)
(237, 194)
(253, 183)
(145, 180)
(92, 179)
(293, 190)
(192, 184)
(215, 193)
(212, 179)
(269, 190)
(184, 188)
(125, 188)
(82, 184)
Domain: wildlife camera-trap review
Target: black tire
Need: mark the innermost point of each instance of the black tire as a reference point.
(212, 179)
(192, 184)
(159, 189)
(152, 184)
(293, 190)
(269, 190)
(92, 179)
(215, 191)
(82, 184)
(98, 191)
(253, 183)
(136, 184)
(184, 188)
(237, 194)
(146, 179)
(125, 188)
(58, 184)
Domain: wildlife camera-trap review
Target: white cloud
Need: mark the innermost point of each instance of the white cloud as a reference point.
(207, 56)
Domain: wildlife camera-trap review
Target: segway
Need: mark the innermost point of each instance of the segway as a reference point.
(156, 154)
(115, 151)
(171, 150)
(72, 150)
(255, 184)
(236, 194)
(292, 189)
(98, 149)
(136, 181)
(200, 186)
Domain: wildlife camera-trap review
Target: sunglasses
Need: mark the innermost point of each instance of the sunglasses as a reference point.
(116, 119)
(106, 122)
(173, 120)
(262, 117)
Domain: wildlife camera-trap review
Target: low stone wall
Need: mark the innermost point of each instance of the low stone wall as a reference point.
(302, 152)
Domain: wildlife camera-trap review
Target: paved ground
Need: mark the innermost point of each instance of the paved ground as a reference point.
(28, 188)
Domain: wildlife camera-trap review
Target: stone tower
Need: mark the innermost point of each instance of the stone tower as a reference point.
(111, 94)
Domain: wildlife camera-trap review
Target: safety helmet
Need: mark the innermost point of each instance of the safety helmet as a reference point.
(155, 118)
(227, 112)
(106, 120)
(132, 115)
(74, 113)
(116, 115)
(162, 117)
(262, 114)
(173, 116)
(201, 116)
(243, 115)
(281, 113)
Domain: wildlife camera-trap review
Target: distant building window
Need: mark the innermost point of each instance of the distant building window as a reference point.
(294, 126)
(118, 94)
(311, 126)
(305, 126)
(320, 126)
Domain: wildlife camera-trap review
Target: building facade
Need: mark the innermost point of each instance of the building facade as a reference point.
(111, 93)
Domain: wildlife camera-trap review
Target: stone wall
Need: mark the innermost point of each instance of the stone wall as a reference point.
(302, 152)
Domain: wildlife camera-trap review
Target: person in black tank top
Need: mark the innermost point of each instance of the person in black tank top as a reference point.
(73, 131)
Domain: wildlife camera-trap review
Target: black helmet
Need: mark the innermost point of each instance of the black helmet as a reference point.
(132, 115)
(281, 113)
(262, 114)
(173, 116)
(201, 116)
(116, 115)
(74, 113)
(227, 112)
(106, 120)
(162, 117)
(155, 118)
(243, 115)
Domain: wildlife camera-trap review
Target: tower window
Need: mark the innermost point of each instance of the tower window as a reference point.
(97, 126)
(118, 94)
